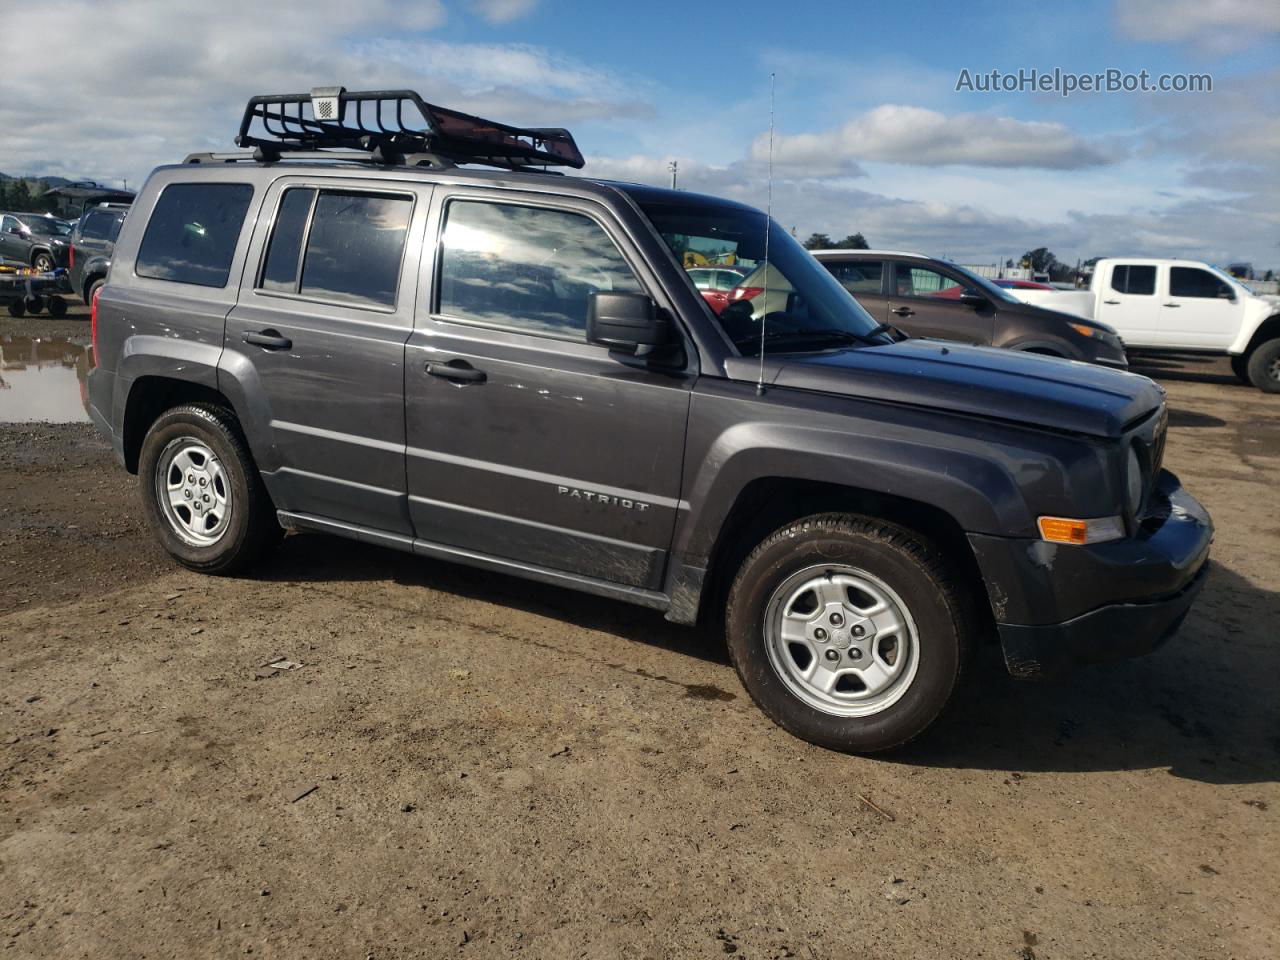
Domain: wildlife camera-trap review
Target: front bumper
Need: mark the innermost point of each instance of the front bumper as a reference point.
(1057, 607)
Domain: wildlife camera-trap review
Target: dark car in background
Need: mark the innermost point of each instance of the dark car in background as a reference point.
(92, 243)
(33, 240)
(927, 297)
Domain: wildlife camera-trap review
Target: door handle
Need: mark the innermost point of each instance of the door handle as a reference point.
(457, 370)
(1111, 303)
(1175, 306)
(269, 339)
(902, 312)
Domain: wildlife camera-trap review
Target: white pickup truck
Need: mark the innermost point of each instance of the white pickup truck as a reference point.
(1188, 306)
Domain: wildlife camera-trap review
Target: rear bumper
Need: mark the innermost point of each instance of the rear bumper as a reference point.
(1059, 606)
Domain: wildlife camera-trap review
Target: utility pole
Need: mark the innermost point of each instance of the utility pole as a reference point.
(674, 167)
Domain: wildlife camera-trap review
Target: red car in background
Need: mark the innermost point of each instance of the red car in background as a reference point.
(716, 284)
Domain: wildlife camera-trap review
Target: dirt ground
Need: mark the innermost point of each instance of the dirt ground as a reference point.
(466, 764)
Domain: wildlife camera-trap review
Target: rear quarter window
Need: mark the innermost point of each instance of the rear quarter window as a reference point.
(193, 231)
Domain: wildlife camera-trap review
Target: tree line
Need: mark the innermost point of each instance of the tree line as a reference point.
(16, 194)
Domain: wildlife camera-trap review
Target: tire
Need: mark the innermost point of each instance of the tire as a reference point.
(1264, 366)
(34, 304)
(17, 308)
(227, 481)
(854, 560)
(42, 262)
(1240, 367)
(93, 288)
(57, 307)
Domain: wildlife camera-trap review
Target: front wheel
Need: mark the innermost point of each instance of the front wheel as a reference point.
(1264, 366)
(848, 632)
(42, 263)
(202, 493)
(1240, 367)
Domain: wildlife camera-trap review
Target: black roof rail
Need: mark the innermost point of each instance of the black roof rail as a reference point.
(376, 126)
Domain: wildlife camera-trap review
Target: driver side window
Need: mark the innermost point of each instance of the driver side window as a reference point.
(526, 268)
(913, 281)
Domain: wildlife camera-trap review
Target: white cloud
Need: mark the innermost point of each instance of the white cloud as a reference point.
(920, 137)
(172, 79)
(1213, 26)
(503, 11)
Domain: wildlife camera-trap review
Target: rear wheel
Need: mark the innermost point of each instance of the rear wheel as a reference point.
(202, 492)
(1264, 366)
(93, 288)
(848, 632)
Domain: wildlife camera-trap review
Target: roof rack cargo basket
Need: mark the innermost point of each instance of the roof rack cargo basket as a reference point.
(381, 123)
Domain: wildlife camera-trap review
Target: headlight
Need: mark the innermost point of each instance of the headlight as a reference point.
(1134, 481)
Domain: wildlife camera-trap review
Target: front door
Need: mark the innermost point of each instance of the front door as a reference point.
(1201, 310)
(926, 303)
(1128, 303)
(317, 342)
(13, 243)
(525, 442)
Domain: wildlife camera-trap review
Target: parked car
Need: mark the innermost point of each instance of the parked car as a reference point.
(33, 240)
(91, 245)
(1189, 306)
(716, 283)
(514, 371)
(927, 297)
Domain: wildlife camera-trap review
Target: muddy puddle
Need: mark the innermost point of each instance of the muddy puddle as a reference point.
(44, 379)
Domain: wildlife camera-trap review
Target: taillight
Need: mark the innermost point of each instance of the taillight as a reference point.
(93, 323)
(71, 255)
(746, 293)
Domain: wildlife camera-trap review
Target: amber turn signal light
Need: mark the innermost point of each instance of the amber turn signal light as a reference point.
(1080, 532)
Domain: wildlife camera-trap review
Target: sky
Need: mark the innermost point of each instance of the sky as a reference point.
(870, 132)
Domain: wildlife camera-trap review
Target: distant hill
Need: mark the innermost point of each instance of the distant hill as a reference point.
(47, 181)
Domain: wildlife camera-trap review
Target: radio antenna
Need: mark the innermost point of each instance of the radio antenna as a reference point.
(768, 221)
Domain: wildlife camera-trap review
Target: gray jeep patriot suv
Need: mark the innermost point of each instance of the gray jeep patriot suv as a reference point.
(351, 329)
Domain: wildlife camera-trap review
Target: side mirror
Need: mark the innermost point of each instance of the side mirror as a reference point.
(624, 321)
(971, 298)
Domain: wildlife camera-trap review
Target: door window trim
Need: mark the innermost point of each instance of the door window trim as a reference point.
(437, 273)
(296, 296)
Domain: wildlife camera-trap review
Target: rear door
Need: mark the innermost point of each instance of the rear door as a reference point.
(1128, 302)
(317, 342)
(1201, 310)
(925, 302)
(863, 279)
(525, 442)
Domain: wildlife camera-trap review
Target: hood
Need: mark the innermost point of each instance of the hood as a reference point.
(980, 381)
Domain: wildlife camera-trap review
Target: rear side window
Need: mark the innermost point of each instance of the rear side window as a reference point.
(97, 225)
(354, 246)
(860, 277)
(193, 231)
(1190, 282)
(526, 267)
(1137, 279)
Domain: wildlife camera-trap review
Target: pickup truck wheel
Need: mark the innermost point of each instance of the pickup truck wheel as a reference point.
(1264, 366)
(1240, 367)
(848, 632)
(202, 493)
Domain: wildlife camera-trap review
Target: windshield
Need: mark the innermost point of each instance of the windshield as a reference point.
(983, 284)
(791, 304)
(46, 227)
(1232, 281)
